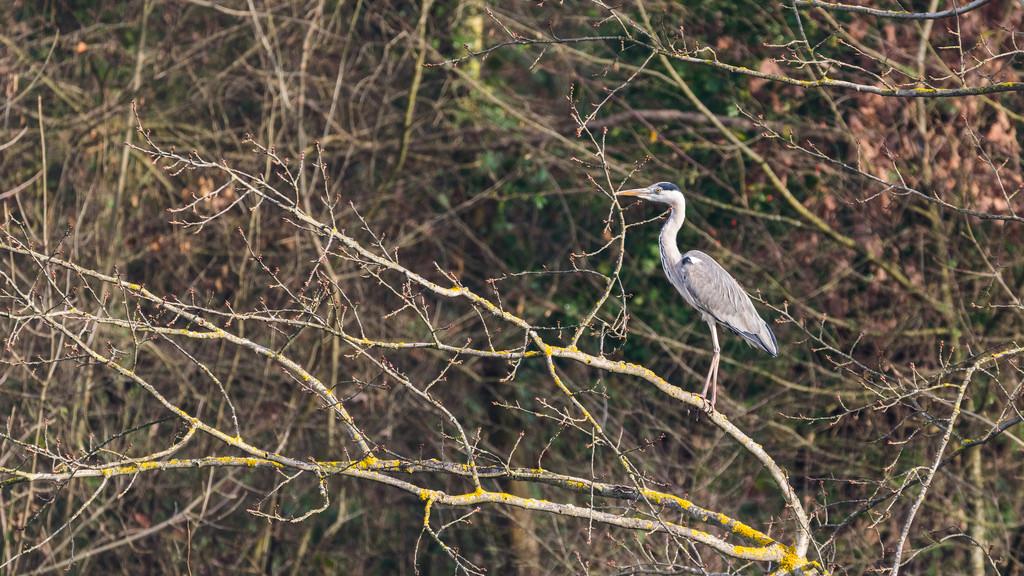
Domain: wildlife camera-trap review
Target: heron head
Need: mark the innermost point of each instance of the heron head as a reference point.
(663, 192)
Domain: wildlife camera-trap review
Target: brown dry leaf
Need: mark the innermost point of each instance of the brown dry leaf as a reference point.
(767, 66)
(828, 201)
(1002, 133)
(858, 28)
(890, 30)
(955, 160)
(205, 186)
(758, 85)
(914, 275)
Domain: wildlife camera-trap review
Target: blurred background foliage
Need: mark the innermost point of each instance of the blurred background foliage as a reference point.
(479, 167)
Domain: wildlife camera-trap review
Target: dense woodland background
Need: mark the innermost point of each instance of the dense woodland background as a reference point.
(477, 145)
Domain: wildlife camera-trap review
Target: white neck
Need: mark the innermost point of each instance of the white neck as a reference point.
(670, 254)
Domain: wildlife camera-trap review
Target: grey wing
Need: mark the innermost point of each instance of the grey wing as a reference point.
(713, 291)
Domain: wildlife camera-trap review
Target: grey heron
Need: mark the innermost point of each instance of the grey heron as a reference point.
(705, 285)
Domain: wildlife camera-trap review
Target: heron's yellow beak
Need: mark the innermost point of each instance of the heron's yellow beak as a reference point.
(633, 192)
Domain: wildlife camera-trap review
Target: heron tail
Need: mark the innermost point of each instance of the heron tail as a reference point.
(763, 339)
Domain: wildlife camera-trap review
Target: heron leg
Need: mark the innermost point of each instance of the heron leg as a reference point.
(712, 378)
